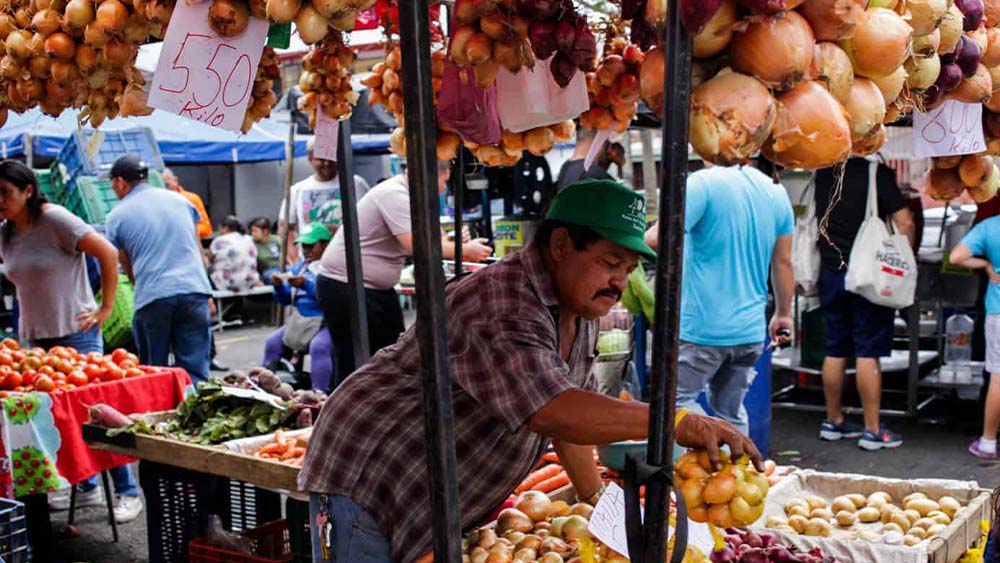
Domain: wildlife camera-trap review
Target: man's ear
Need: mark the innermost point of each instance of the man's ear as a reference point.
(559, 244)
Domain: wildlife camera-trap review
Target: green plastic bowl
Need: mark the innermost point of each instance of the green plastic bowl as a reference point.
(613, 455)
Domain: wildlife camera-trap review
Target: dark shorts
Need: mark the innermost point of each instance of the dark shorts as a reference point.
(855, 327)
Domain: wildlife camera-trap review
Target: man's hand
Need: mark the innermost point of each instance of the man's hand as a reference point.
(297, 281)
(994, 277)
(212, 309)
(706, 432)
(476, 250)
(277, 280)
(778, 323)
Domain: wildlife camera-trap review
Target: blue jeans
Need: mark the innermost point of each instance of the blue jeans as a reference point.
(86, 342)
(354, 535)
(179, 324)
(724, 371)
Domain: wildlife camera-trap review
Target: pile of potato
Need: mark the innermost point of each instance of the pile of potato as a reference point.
(915, 519)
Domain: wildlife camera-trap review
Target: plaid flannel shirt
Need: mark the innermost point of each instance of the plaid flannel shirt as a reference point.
(369, 441)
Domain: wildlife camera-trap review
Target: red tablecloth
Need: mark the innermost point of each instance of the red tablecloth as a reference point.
(43, 430)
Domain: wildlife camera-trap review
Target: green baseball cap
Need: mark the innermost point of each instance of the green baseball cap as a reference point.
(314, 232)
(614, 211)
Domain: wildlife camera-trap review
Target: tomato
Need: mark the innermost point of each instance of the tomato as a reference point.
(78, 378)
(59, 377)
(27, 378)
(95, 358)
(133, 358)
(31, 362)
(57, 350)
(114, 373)
(93, 371)
(6, 359)
(44, 383)
(148, 369)
(128, 364)
(10, 344)
(133, 372)
(118, 355)
(18, 356)
(47, 370)
(64, 365)
(13, 381)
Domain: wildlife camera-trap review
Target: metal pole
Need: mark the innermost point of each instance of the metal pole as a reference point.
(663, 385)
(289, 169)
(352, 245)
(458, 201)
(421, 158)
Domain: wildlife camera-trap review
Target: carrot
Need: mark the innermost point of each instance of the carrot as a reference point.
(552, 483)
(272, 449)
(550, 457)
(536, 477)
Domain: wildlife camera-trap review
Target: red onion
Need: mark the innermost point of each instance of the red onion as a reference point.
(584, 53)
(543, 39)
(973, 11)
(765, 6)
(727, 555)
(565, 36)
(933, 96)
(563, 69)
(696, 13)
(951, 75)
(967, 55)
(755, 555)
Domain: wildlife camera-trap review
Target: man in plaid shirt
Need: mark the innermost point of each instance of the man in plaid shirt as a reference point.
(521, 336)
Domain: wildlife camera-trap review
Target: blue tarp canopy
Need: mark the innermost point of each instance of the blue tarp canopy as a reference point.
(181, 140)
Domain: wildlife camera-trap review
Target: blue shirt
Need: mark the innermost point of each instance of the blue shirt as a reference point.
(733, 219)
(305, 298)
(156, 229)
(984, 240)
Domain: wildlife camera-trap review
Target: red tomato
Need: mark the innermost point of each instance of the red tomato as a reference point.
(128, 364)
(95, 358)
(44, 383)
(6, 359)
(64, 365)
(148, 369)
(133, 358)
(10, 344)
(118, 355)
(47, 370)
(133, 372)
(114, 373)
(31, 362)
(26, 378)
(93, 371)
(18, 356)
(57, 350)
(13, 380)
(78, 378)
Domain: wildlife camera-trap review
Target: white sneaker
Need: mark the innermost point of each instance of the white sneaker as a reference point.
(59, 500)
(128, 509)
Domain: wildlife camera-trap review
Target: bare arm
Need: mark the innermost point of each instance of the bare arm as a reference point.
(652, 236)
(107, 255)
(783, 280)
(473, 251)
(903, 219)
(578, 461)
(126, 265)
(961, 255)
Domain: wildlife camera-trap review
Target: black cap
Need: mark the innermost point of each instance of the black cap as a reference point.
(130, 168)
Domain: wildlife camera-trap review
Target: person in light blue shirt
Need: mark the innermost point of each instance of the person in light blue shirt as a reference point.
(739, 228)
(154, 231)
(980, 249)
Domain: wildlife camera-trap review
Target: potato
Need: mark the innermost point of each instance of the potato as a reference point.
(901, 520)
(883, 494)
(787, 529)
(775, 521)
(868, 514)
(796, 502)
(923, 506)
(936, 530)
(925, 523)
(799, 510)
(949, 505)
(911, 541)
(818, 527)
(842, 503)
(823, 513)
(869, 535)
(846, 518)
(859, 500)
(892, 527)
(940, 517)
(877, 502)
(816, 502)
(798, 523)
(887, 511)
(913, 496)
(917, 532)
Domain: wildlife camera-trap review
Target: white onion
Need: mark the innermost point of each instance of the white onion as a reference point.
(731, 117)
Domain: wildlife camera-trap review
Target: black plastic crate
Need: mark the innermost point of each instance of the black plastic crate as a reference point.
(14, 547)
(297, 515)
(179, 502)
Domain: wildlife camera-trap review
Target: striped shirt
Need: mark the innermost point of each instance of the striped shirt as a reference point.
(369, 441)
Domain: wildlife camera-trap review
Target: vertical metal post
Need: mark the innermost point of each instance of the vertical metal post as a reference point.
(421, 159)
(352, 245)
(663, 384)
(458, 202)
(289, 174)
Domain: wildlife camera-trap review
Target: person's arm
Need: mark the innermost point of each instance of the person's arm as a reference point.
(903, 219)
(126, 263)
(475, 250)
(578, 461)
(963, 256)
(652, 236)
(107, 255)
(783, 281)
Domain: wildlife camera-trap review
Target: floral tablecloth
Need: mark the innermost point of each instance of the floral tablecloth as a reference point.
(42, 440)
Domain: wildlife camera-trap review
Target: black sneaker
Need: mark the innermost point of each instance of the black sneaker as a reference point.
(882, 440)
(846, 429)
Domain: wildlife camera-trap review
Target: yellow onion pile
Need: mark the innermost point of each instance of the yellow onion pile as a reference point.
(326, 80)
(614, 87)
(262, 98)
(314, 19)
(489, 36)
(733, 496)
(510, 149)
(949, 176)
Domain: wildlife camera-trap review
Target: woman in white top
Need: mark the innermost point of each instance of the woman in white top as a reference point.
(233, 257)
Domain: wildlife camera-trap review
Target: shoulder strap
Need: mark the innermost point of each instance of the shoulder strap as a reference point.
(871, 208)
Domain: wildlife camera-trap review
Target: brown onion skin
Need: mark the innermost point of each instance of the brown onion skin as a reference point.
(976, 89)
(755, 50)
(832, 67)
(718, 32)
(943, 184)
(832, 20)
(865, 109)
(975, 169)
(731, 117)
(880, 44)
(811, 130)
(871, 143)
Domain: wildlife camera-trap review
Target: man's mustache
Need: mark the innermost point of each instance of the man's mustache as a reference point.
(609, 292)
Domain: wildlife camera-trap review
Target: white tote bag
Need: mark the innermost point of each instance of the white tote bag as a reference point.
(882, 267)
(805, 252)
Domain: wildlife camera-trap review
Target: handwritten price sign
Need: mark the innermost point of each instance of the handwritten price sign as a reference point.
(607, 522)
(953, 128)
(203, 76)
(326, 136)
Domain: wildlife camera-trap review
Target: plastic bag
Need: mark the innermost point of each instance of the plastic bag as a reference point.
(467, 109)
(805, 252)
(882, 266)
(531, 98)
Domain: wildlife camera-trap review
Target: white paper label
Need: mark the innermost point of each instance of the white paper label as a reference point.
(953, 128)
(203, 76)
(607, 522)
(256, 395)
(327, 129)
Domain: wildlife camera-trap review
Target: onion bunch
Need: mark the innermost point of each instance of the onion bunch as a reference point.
(562, 34)
(489, 36)
(974, 173)
(326, 80)
(262, 97)
(538, 141)
(732, 496)
(614, 87)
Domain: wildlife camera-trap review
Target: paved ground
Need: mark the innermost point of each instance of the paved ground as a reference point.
(931, 450)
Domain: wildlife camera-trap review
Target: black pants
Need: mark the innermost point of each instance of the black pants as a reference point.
(385, 321)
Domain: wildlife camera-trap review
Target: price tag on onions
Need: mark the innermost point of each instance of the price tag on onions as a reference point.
(202, 75)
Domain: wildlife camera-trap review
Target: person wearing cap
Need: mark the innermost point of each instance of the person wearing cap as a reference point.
(386, 240)
(303, 329)
(521, 340)
(154, 230)
(739, 229)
